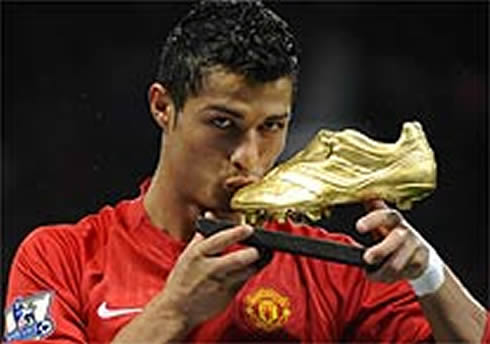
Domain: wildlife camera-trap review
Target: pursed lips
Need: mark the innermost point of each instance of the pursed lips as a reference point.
(232, 184)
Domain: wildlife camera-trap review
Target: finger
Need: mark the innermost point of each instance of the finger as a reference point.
(235, 261)
(357, 244)
(216, 243)
(379, 233)
(197, 238)
(195, 241)
(397, 265)
(390, 244)
(380, 218)
(210, 215)
(233, 276)
(374, 204)
(382, 275)
(237, 279)
(418, 263)
(234, 217)
(401, 259)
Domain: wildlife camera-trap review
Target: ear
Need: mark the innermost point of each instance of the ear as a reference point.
(161, 105)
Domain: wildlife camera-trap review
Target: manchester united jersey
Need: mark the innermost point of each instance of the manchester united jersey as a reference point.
(486, 335)
(83, 282)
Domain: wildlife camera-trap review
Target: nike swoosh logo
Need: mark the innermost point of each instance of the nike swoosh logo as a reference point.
(106, 313)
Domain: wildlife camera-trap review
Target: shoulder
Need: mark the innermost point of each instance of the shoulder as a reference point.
(76, 240)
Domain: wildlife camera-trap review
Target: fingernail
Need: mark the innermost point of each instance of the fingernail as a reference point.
(370, 258)
(367, 258)
(197, 236)
(249, 229)
(360, 225)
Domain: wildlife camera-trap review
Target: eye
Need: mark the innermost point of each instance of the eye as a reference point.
(273, 125)
(222, 122)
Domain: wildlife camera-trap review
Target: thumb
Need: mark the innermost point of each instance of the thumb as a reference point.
(197, 238)
(210, 215)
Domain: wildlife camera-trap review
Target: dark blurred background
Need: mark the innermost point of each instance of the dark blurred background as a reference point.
(77, 133)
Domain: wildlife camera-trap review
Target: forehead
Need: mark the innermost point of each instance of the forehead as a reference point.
(228, 88)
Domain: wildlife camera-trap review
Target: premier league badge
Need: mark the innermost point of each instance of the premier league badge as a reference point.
(29, 318)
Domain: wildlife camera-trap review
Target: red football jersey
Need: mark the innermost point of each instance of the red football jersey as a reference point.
(83, 282)
(486, 335)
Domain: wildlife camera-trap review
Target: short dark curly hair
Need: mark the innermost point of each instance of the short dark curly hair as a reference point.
(245, 37)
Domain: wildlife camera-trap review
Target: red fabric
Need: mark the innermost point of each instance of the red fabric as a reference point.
(118, 257)
(486, 336)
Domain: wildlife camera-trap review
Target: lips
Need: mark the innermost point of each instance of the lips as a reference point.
(232, 184)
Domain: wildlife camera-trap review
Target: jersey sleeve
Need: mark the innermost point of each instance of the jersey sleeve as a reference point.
(43, 294)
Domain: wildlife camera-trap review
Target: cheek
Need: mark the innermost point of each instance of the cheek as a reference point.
(206, 148)
(203, 169)
(272, 150)
(203, 156)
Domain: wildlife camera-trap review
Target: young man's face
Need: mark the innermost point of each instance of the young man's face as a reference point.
(230, 134)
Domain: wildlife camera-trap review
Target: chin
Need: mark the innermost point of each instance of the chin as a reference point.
(221, 209)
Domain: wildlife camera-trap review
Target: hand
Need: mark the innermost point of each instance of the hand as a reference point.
(405, 251)
(202, 283)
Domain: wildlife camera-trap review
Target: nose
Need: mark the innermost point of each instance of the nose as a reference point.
(245, 157)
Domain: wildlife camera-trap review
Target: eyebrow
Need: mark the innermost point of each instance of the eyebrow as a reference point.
(237, 114)
(221, 108)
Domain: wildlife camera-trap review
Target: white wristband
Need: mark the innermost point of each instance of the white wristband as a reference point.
(432, 278)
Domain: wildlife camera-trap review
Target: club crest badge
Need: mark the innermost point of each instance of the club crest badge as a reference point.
(29, 318)
(266, 309)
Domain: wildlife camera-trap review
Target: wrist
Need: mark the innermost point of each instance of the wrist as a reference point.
(158, 323)
(177, 321)
(432, 278)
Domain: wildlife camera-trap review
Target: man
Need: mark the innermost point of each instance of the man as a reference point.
(139, 272)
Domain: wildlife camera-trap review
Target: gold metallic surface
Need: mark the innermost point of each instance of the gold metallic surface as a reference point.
(343, 167)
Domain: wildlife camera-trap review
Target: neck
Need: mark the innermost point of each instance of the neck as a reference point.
(167, 210)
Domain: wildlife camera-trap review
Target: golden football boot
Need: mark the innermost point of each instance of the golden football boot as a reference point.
(342, 167)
